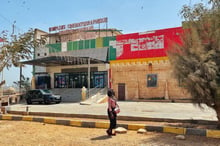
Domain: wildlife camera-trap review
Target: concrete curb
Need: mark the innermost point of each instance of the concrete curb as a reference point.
(124, 118)
(100, 124)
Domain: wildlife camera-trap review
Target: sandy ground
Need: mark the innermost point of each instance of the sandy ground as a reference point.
(21, 133)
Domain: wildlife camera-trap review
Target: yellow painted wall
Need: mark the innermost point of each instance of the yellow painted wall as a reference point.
(99, 42)
(134, 74)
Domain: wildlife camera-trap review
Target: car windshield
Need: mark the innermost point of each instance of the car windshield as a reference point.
(47, 91)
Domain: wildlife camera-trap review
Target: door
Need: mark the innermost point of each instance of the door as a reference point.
(121, 91)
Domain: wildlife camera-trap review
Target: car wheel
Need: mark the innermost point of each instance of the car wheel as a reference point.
(29, 101)
(58, 101)
(46, 101)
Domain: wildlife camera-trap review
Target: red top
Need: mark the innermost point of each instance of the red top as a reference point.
(111, 103)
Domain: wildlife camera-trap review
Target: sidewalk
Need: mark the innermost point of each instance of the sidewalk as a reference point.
(136, 115)
(135, 111)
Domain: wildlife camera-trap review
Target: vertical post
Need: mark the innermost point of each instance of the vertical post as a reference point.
(108, 75)
(106, 28)
(99, 30)
(20, 78)
(88, 77)
(34, 55)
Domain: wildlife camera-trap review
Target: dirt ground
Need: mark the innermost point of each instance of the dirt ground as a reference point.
(21, 133)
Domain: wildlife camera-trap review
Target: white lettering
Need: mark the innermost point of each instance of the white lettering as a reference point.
(134, 44)
(80, 24)
(155, 42)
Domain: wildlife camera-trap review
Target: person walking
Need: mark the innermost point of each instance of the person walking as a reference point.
(112, 114)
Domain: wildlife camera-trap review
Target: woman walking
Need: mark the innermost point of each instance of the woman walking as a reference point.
(112, 114)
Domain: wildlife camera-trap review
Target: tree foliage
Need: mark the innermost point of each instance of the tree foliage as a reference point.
(197, 60)
(16, 48)
(25, 83)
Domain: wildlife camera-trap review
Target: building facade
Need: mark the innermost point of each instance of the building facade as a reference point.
(135, 65)
(73, 58)
(75, 53)
(142, 69)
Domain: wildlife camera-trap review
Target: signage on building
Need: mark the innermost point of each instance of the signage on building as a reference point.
(79, 25)
(148, 44)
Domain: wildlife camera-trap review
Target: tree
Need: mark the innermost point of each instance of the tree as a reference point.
(16, 48)
(24, 83)
(197, 60)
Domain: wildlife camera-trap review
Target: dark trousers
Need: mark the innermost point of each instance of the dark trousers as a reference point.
(112, 119)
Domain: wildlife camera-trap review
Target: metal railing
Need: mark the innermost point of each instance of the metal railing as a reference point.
(94, 91)
(95, 94)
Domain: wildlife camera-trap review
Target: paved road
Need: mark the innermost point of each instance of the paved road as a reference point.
(180, 111)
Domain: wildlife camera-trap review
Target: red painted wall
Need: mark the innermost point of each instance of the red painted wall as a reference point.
(146, 45)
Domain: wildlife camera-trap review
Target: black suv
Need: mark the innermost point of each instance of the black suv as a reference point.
(42, 96)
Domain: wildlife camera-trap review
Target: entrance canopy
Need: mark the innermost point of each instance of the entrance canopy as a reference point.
(75, 57)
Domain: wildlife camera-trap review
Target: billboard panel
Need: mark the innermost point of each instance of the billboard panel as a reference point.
(146, 44)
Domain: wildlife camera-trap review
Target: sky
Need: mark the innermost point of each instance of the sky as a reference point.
(130, 16)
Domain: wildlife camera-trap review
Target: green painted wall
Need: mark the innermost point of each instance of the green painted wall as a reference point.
(112, 53)
(69, 46)
(54, 47)
(93, 42)
(87, 44)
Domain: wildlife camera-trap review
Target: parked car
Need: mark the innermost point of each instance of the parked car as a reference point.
(42, 96)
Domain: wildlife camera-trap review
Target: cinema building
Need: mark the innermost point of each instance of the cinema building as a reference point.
(134, 65)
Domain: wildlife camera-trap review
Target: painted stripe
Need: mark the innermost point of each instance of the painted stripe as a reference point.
(27, 118)
(194, 131)
(76, 123)
(138, 60)
(123, 125)
(63, 122)
(213, 133)
(175, 130)
(38, 119)
(6, 117)
(102, 125)
(136, 126)
(17, 118)
(50, 120)
(88, 124)
(154, 128)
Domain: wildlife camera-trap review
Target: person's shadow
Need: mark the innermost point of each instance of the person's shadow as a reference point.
(103, 137)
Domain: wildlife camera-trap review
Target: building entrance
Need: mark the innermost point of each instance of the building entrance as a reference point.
(80, 79)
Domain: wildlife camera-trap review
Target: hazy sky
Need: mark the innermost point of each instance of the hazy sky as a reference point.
(127, 15)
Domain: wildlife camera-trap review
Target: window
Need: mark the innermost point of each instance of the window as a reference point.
(80, 79)
(61, 80)
(152, 80)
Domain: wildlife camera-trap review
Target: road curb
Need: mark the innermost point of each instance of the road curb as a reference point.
(100, 124)
(123, 118)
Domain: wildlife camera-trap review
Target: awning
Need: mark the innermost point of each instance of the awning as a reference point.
(75, 57)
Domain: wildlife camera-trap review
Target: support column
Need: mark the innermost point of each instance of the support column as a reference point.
(20, 78)
(88, 77)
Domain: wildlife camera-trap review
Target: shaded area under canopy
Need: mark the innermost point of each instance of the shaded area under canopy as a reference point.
(75, 57)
